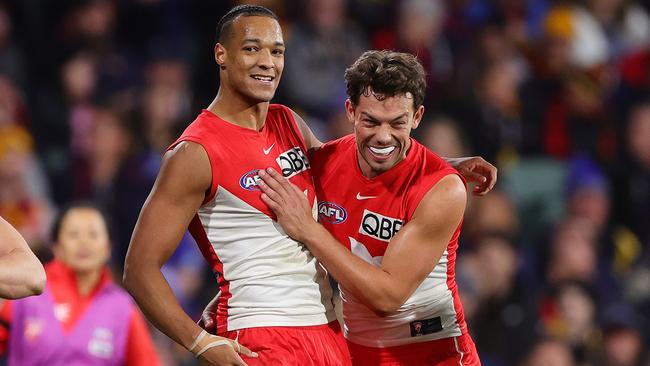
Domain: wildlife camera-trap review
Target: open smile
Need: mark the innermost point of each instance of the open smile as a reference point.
(266, 79)
(382, 153)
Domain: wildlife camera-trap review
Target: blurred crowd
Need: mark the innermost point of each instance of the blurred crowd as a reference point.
(555, 263)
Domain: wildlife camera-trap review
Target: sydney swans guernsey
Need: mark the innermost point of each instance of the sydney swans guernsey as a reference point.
(265, 277)
(364, 214)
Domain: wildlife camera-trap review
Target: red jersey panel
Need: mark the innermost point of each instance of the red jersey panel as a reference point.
(266, 278)
(364, 214)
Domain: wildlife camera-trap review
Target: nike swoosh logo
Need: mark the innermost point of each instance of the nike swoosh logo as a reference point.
(267, 151)
(360, 197)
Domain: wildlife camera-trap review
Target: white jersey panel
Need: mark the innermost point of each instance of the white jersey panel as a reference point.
(273, 280)
(431, 299)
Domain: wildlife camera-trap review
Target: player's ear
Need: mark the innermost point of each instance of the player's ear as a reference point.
(220, 55)
(419, 113)
(349, 110)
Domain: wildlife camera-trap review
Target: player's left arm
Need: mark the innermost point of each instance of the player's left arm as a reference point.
(477, 170)
(411, 255)
(311, 141)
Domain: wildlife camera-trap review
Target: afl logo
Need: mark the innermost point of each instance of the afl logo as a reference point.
(331, 212)
(249, 180)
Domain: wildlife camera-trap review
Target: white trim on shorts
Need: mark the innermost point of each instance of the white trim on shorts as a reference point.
(460, 361)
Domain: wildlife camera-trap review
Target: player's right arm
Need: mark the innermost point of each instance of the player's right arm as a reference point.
(21, 273)
(179, 190)
(410, 256)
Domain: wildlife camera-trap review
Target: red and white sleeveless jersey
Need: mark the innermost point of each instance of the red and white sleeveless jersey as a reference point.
(364, 214)
(266, 278)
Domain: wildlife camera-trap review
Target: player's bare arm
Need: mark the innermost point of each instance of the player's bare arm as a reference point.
(477, 170)
(179, 190)
(411, 254)
(21, 274)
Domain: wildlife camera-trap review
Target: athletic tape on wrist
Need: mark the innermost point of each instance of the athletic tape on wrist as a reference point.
(198, 339)
(216, 343)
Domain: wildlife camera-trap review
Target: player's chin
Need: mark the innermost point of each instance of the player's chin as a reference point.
(381, 166)
(264, 97)
(263, 92)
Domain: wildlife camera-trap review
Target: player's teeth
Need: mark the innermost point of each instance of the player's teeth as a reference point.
(382, 151)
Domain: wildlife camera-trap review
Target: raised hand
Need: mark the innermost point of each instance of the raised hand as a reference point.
(475, 169)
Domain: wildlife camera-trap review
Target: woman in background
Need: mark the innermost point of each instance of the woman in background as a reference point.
(83, 317)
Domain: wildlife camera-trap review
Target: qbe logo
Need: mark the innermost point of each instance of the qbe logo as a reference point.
(249, 180)
(292, 162)
(331, 212)
(379, 226)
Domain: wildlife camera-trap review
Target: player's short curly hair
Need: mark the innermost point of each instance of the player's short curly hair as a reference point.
(386, 74)
(225, 23)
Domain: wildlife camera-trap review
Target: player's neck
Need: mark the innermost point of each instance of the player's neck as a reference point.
(235, 110)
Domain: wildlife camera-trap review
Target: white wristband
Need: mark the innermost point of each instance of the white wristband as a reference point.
(198, 339)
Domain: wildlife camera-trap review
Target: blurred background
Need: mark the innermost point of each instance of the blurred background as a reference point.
(555, 263)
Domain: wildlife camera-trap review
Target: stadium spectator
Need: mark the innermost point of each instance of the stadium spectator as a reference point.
(622, 338)
(322, 45)
(83, 316)
(549, 352)
(507, 306)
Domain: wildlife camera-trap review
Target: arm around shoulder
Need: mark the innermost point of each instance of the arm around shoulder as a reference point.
(411, 254)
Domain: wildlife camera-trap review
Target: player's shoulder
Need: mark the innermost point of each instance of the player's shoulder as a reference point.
(199, 129)
(429, 160)
(282, 115)
(331, 155)
(280, 109)
(429, 168)
(201, 120)
(186, 150)
(334, 149)
(187, 166)
(339, 144)
(276, 106)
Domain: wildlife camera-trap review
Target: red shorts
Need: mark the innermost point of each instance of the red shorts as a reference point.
(454, 351)
(318, 345)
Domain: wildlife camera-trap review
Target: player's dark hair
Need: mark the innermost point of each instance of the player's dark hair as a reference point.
(225, 23)
(58, 220)
(386, 74)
